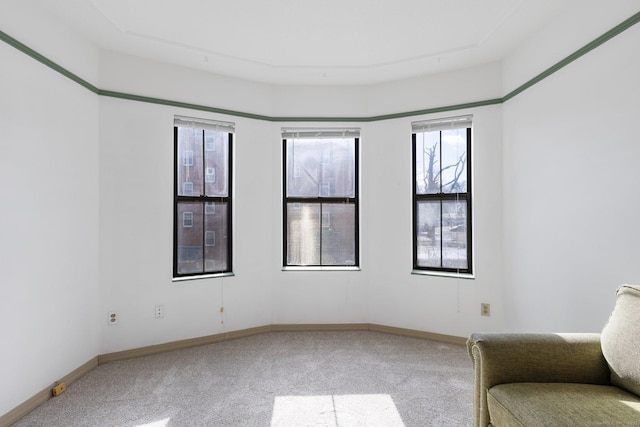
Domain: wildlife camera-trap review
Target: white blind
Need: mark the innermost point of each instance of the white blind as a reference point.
(459, 122)
(191, 122)
(296, 133)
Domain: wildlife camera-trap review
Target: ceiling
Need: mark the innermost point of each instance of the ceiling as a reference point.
(306, 42)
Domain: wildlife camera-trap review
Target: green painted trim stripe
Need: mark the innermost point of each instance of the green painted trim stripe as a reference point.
(623, 26)
(438, 109)
(46, 61)
(159, 101)
(151, 100)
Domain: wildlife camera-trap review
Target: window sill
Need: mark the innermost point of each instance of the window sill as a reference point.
(319, 268)
(466, 276)
(201, 276)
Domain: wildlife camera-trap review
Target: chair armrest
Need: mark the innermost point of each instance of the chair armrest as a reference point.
(500, 358)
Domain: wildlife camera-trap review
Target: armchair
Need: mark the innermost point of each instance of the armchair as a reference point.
(561, 379)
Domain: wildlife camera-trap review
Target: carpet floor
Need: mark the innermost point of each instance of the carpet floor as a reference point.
(276, 379)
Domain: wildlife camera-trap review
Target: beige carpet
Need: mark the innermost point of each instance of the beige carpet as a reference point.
(276, 379)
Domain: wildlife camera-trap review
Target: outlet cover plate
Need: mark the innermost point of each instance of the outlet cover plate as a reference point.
(485, 309)
(112, 318)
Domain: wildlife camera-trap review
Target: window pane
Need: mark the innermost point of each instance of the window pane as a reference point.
(189, 238)
(428, 234)
(189, 162)
(321, 167)
(454, 161)
(216, 155)
(427, 157)
(215, 238)
(338, 234)
(303, 233)
(442, 234)
(454, 234)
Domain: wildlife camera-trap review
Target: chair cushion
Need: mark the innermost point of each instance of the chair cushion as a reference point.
(620, 339)
(561, 404)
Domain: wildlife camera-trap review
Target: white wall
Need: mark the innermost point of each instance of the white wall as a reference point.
(436, 90)
(437, 304)
(310, 297)
(49, 216)
(123, 73)
(570, 191)
(136, 232)
(578, 22)
(384, 291)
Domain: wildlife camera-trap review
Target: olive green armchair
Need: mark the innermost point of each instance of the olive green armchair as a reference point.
(577, 379)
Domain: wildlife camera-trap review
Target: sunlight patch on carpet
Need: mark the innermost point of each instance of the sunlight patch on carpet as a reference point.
(336, 411)
(632, 405)
(159, 423)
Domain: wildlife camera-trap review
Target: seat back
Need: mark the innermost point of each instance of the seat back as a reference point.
(620, 340)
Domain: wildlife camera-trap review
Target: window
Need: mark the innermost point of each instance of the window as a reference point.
(202, 197)
(187, 187)
(442, 195)
(187, 158)
(211, 175)
(209, 238)
(187, 219)
(320, 206)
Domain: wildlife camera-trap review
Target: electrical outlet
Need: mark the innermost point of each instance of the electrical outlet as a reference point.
(159, 311)
(485, 309)
(113, 318)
